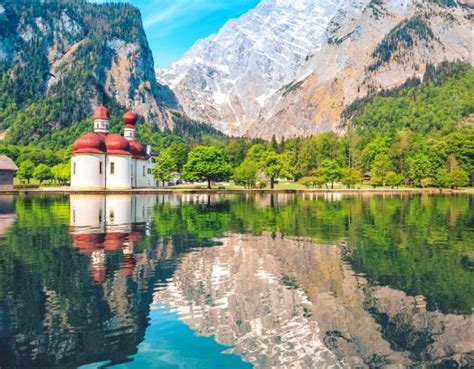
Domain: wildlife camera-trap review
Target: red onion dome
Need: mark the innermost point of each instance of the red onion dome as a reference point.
(86, 243)
(137, 150)
(116, 144)
(129, 118)
(90, 143)
(114, 241)
(101, 113)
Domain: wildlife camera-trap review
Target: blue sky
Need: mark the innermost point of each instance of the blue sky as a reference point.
(172, 26)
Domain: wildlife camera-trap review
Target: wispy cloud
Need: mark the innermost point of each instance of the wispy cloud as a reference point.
(172, 10)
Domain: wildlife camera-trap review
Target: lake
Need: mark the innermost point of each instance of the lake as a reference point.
(237, 281)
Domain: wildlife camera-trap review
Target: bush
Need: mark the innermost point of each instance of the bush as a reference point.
(308, 182)
(426, 182)
(312, 182)
(262, 183)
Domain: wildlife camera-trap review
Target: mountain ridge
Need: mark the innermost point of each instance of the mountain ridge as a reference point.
(366, 46)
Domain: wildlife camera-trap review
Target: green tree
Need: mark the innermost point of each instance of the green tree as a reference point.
(381, 166)
(393, 179)
(61, 173)
(206, 163)
(246, 173)
(275, 165)
(350, 177)
(179, 151)
(258, 153)
(25, 170)
(376, 181)
(164, 166)
(458, 178)
(418, 167)
(331, 171)
(441, 179)
(42, 173)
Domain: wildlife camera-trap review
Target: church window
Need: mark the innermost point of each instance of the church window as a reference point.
(74, 168)
(143, 171)
(112, 168)
(100, 167)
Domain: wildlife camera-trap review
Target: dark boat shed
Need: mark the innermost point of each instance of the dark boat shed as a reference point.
(8, 169)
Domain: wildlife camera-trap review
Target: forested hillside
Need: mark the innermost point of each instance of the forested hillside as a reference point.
(60, 59)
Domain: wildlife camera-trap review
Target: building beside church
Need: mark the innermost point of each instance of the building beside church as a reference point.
(103, 160)
(8, 169)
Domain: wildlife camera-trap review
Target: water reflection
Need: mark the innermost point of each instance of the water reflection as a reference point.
(7, 213)
(211, 280)
(284, 302)
(103, 224)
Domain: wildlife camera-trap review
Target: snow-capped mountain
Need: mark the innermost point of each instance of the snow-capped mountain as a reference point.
(227, 78)
(290, 67)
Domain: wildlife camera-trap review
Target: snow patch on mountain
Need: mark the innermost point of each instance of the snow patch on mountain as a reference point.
(228, 77)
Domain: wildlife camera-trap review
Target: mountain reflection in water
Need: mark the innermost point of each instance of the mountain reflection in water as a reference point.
(211, 281)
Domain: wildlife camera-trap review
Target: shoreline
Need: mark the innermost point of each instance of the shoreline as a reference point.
(164, 191)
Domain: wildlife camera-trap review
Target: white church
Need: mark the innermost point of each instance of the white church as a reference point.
(102, 160)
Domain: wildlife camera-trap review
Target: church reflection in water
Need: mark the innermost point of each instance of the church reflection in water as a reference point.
(103, 224)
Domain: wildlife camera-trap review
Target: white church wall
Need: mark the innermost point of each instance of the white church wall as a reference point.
(142, 168)
(144, 176)
(86, 171)
(119, 172)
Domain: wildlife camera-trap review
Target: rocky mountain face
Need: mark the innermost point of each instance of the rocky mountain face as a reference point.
(74, 55)
(290, 68)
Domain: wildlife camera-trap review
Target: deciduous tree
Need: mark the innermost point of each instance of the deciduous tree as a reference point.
(42, 173)
(246, 173)
(331, 171)
(164, 166)
(350, 177)
(206, 163)
(275, 165)
(25, 171)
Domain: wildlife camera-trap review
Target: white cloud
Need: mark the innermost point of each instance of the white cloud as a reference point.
(173, 10)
